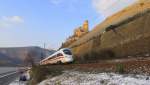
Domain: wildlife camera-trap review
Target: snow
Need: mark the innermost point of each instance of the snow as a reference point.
(17, 82)
(84, 78)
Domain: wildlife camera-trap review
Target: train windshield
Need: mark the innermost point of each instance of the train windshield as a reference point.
(68, 52)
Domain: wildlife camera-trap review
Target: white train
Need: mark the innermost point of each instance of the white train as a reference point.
(62, 56)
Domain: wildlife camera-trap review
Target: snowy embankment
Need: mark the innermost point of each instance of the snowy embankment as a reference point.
(18, 82)
(82, 78)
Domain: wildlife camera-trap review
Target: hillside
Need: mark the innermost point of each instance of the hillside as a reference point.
(16, 55)
(124, 33)
(115, 19)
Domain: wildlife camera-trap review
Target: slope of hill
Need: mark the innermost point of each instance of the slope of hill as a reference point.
(16, 55)
(128, 33)
(141, 6)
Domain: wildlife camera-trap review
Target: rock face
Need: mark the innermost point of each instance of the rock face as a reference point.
(16, 55)
(125, 33)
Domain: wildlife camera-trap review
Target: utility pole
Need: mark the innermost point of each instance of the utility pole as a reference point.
(43, 53)
(44, 45)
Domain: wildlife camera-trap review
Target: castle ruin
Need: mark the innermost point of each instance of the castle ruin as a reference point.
(78, 33)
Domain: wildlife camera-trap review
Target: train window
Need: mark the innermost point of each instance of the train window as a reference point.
(68, 52)
(59, 54)
(54, 56)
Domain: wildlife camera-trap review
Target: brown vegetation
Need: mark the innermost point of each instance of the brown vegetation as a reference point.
(39, 73)
(126, 33)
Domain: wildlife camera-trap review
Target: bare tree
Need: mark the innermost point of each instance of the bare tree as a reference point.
(42, 56)
(29, 59)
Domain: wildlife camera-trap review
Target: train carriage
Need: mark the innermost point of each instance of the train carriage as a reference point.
(62, 56)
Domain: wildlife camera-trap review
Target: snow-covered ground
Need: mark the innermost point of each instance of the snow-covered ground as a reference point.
(82, 78)
(17, 82)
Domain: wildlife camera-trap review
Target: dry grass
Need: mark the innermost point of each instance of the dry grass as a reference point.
(114, 19)
(130, 37)
(39, 73)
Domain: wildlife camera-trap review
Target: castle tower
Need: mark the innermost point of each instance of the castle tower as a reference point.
(86, 26)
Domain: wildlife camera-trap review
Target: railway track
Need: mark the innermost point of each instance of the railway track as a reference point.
(8, 77)
(136, 65)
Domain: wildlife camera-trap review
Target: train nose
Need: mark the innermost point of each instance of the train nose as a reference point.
(70, 59)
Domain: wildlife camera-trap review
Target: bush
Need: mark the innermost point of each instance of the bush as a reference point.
(39, 73)
(107, 54)
(104, 54)
(76, 59)
(120, 68)
(94, 56)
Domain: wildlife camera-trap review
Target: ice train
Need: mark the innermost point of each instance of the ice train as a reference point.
(62, 56)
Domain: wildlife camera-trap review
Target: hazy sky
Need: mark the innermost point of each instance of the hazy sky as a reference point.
(34, 22)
